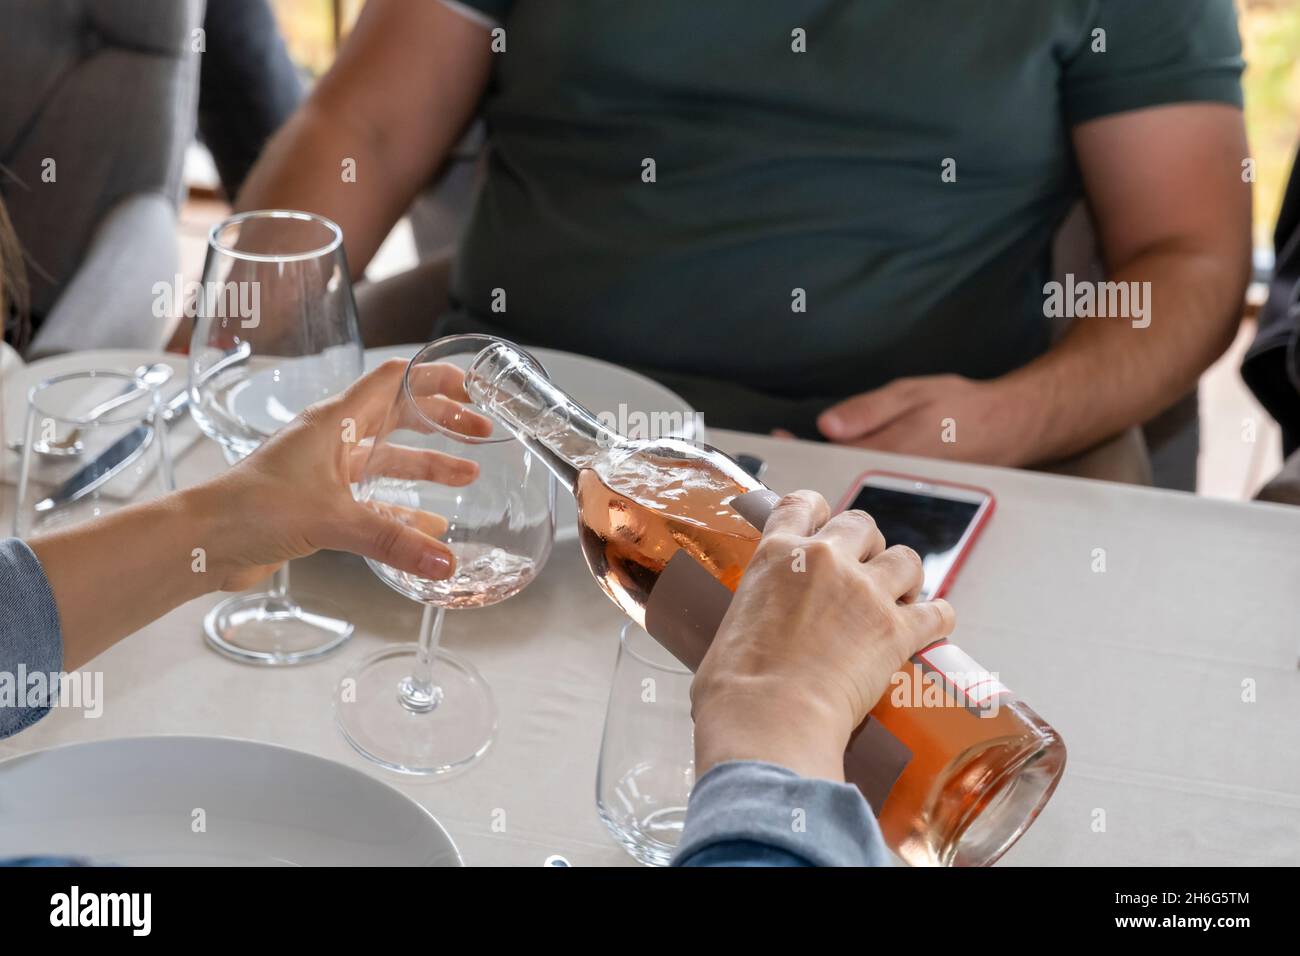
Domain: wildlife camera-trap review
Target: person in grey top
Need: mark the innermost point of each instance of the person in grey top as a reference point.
(798, 662)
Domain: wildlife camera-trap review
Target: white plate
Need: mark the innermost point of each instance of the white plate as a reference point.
(625, 399)
(17, 378)
(138, 801)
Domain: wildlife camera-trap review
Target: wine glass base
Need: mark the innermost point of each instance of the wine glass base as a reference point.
(436, 740)
(642, 838)
(261, 629)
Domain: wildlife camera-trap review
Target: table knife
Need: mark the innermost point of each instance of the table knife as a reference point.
(113, 460)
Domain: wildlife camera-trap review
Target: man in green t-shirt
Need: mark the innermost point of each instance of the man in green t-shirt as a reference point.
(819, 216)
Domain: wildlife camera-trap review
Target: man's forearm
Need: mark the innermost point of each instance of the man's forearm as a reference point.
(303, 168)
(1108, 374)
(379, 124)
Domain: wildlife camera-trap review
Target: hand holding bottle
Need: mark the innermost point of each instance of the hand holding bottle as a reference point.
(823, 617)
(955, 770)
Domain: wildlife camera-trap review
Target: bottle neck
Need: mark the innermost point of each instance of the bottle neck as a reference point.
(511, 386)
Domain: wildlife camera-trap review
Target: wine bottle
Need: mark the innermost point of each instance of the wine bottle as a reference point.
(953, 764)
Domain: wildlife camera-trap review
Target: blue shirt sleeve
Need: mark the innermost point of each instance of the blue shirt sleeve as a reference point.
(742, 853)
(747, 813)
(31, 641)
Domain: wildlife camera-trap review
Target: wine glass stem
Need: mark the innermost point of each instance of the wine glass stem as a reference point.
(418, 692)
(24, 469)
(279, 590)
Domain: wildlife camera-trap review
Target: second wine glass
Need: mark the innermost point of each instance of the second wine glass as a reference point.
(275, 331)
(449, 469)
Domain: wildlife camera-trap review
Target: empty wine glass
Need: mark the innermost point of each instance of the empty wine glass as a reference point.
(275, 331)
(446, 467)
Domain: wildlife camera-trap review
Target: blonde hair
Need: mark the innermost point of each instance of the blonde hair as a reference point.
(13, 280)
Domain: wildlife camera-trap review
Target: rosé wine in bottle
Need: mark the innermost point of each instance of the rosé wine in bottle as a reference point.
(954, 765)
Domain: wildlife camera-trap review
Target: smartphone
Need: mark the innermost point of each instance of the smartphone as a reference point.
(939, 520)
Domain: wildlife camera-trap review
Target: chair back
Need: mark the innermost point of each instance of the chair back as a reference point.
(97, 102)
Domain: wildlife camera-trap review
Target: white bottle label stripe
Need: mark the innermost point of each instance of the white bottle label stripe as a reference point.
(964, 677)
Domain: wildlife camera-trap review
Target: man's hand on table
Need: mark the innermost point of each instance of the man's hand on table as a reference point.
(824, 616)
(1172, 215)
(939, 416)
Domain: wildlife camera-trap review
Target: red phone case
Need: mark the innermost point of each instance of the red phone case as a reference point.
(980, 522)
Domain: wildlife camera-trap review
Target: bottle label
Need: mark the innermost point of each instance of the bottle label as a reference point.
(685, 609)
(874, 760)
(755, 506)
(965, 682)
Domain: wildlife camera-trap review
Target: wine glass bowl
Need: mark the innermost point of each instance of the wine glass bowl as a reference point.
(647, 751)
(276, 326)
(245, 398)
(453, 472)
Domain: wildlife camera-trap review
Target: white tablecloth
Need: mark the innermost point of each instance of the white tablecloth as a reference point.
(1141, 668)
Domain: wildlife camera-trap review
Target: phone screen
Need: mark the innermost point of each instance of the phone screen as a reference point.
(931, 526)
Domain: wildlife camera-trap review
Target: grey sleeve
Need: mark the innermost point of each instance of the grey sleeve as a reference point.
(30, 638)
(820, 821)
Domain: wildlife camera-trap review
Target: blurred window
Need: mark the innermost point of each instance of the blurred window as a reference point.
(1270, 30)
(313, 28)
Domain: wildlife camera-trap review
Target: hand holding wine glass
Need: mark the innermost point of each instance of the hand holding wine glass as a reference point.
(446, 467)
(112, 576)
(293, 496)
